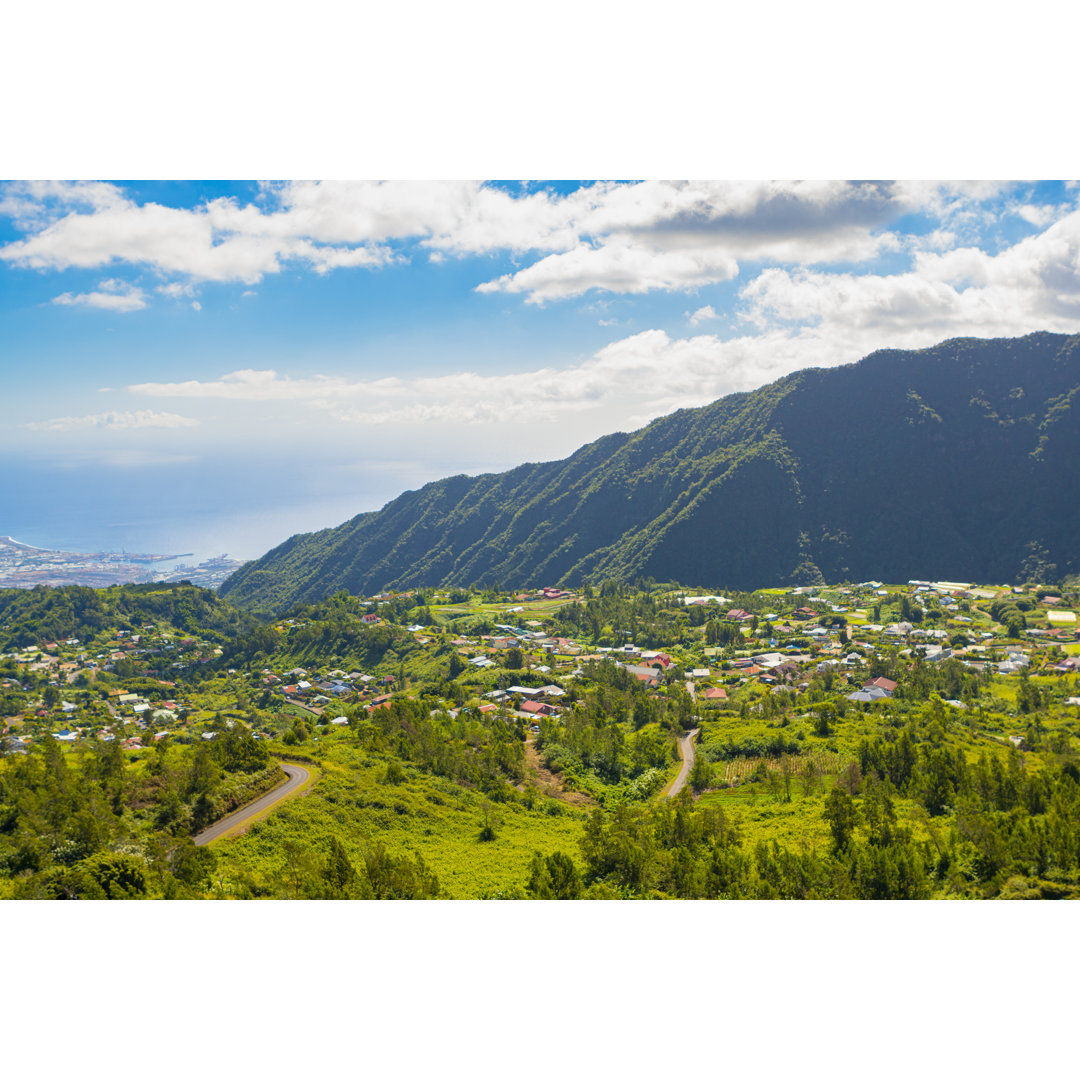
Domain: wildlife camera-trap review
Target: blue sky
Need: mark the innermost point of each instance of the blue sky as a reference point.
(344, 341)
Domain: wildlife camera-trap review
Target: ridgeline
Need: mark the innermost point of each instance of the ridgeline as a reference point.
(955, 461)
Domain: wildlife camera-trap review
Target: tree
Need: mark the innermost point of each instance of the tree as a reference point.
(338, 871)
(841, 814)
(700, 774)
(515, 659)
(554, 878)
(823, 720)
(851, 779)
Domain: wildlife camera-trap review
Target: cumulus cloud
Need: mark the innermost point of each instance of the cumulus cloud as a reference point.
(662, 235)
(110, 295)
(114, 421)
(615, 237)
(1033, 285)
(701, 315)
(176, 289)
(220, 241)
(794, 318)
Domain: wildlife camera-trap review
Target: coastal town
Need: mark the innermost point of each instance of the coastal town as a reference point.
(22, 566)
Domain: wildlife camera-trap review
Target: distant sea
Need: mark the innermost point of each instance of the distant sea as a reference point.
(208, 509)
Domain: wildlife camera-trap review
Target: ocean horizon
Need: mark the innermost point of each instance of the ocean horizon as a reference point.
(199, 510)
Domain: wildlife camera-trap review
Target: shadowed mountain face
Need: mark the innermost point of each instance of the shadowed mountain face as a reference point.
(959, 462)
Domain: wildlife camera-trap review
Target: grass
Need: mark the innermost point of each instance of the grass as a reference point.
(424, 814)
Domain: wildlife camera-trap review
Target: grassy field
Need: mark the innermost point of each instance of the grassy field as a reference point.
(422, 814)
(533, 609)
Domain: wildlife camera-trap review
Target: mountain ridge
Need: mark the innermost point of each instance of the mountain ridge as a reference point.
(889, 467)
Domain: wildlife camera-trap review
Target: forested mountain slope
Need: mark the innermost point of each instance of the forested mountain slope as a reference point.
(957, 461)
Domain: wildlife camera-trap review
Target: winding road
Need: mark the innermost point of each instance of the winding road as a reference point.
(298, 776)
(686, 752)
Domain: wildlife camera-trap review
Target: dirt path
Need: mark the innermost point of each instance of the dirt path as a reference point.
(548, 783)
(298, 776)
(686, 752)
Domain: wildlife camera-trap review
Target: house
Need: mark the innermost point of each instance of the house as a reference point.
(882, 683)
(874, 693)
(738, 615)
(769, 660)
(714, 693)
(654, 658)
(649, 676)
(538, 708)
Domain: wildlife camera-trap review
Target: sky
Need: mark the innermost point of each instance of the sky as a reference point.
(219, 365)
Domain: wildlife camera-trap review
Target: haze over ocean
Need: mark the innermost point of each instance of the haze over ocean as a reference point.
(207, 508)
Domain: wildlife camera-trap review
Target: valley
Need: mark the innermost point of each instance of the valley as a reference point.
(864, 740)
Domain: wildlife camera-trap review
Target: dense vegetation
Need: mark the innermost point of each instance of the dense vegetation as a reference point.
(28, 616)
(432, 780)
(94, 825)
(902, 465)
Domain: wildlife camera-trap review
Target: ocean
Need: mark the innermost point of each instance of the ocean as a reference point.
(239, 509)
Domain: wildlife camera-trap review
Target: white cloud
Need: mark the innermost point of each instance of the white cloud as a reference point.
(114, 421)
(622, 268)
(800, 318)
(629, 381)
(1036, 215)
(624, 238)
(176, 289)
(111, 295)
(219, 241)
(701, 315)
(1033, 285)
(667, 235)
(196, 305)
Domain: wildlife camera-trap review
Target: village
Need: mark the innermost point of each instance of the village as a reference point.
(145, 686)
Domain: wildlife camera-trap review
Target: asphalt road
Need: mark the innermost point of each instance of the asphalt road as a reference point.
(686, 752)
(297, 775)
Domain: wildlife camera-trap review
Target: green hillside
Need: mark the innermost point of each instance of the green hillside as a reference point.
(951, 462)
